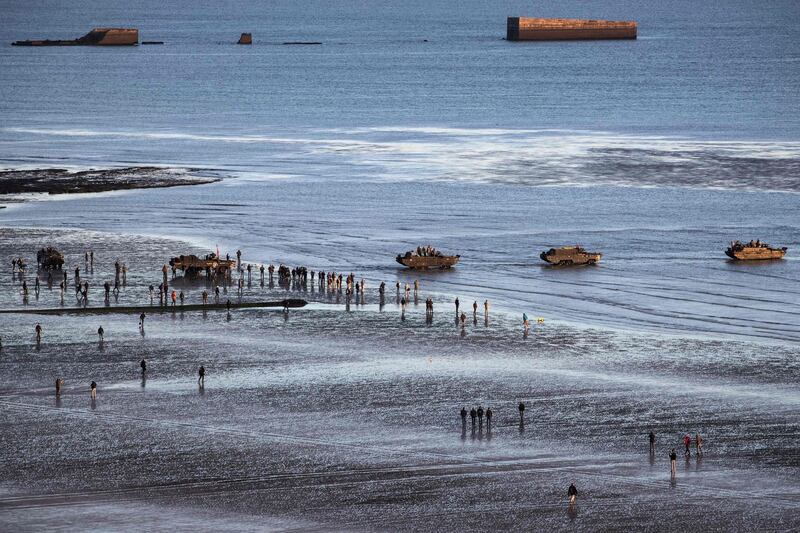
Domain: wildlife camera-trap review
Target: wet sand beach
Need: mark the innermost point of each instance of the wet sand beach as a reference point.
(333, 419)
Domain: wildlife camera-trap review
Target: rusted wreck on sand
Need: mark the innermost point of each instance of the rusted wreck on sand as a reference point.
(192, 266)
(96, 37)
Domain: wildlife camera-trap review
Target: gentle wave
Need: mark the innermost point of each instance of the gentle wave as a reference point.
(504, 156)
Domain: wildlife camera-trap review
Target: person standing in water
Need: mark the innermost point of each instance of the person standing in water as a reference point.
(698, 442)
(143, 365)
(463, 417)
(100, 332)
(572, 492)
(521, 408)
(652, 438)
(480, 417)
(38, 330)
(141, 321)
(489, 418)
(93, 389)
(457, 303)
(475, 308)
(687, 442)
(201, 380)
(673, 458)
(59, 385)
(473, 414)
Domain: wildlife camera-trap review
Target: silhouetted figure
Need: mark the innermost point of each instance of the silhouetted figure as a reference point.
(457, 304)
(572, 492)
(141, 321)
(38, 330)
(93, 388)
(100, 332)
(489, 418)
(201, 380)
(59, 384)
(480, 417)
(143, 365)
(652, 438)
(463, 419)
(673, 458)
(473, 414)
(687, 442)
(521, 408)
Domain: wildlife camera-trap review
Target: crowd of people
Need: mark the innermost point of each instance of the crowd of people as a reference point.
(298, 278)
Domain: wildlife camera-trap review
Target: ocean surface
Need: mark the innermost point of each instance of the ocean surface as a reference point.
(411, 123)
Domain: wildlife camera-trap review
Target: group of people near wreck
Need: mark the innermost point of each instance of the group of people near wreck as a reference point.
(737, 245)
(428, 251)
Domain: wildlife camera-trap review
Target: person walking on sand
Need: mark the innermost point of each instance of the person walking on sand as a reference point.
(572, 492)
(100, 333)
(673, 459)
(698, 442)
(93, 389)
(687, 442)
(652, 438)
(38, 330)
(201, 380)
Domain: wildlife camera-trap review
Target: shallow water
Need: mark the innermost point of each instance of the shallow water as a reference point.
(663, 268)
(411, 124)
(328, 418)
